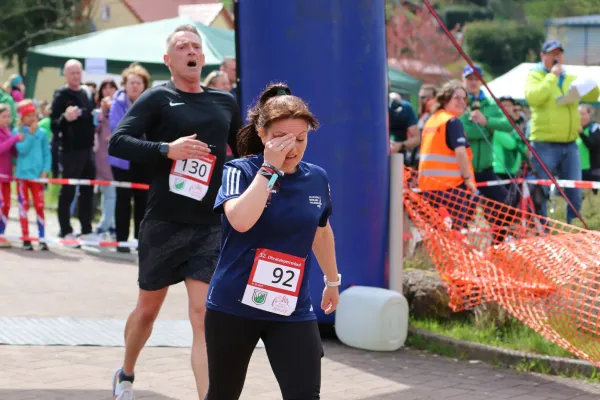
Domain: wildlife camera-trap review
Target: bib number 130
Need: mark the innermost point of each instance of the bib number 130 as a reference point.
(195, 167)
(191, 178)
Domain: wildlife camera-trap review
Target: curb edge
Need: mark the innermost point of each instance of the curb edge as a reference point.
(488, 353)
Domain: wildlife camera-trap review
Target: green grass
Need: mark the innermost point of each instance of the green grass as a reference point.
(590, 210)
(515, 336)
(51, 195)
(515, 339)
(420, 342)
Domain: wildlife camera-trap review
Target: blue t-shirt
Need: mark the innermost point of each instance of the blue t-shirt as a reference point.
(455, 134)
(287, 225)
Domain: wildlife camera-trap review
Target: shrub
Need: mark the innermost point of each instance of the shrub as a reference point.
(458, 14)
(502, 46)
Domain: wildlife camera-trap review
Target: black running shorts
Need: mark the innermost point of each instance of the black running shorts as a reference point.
(170, 252)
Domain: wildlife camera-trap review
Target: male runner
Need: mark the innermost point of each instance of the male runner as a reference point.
(187, 128)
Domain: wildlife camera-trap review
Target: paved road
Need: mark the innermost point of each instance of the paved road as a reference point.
(69, 283)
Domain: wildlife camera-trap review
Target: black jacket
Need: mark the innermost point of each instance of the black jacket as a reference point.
(78, 134)
(592, 142)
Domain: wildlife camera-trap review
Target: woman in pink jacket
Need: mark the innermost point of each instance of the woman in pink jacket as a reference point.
(7, 152)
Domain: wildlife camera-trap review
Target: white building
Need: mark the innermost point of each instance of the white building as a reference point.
(579, 35)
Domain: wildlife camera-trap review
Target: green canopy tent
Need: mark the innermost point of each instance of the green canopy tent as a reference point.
(404, 84)
(144, 43)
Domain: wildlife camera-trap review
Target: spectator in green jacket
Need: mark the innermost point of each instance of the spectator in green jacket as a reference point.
(509, 151)
(482, 118)
(509, 148)
(6, 98)
(589, 145)
(554, 127)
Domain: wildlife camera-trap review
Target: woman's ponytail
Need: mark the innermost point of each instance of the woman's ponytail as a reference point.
(248, 141)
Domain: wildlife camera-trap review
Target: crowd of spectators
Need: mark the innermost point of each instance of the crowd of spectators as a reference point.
(68, 138)
(564, 137)
(77, 124)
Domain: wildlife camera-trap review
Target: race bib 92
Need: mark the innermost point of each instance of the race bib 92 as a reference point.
(274, 282)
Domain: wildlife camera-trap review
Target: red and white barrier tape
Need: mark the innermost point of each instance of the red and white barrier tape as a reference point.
(82, 182)
(544, 182)
(144, 186)
(72, 242)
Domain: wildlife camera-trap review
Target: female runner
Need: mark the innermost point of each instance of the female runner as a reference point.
(276, 210)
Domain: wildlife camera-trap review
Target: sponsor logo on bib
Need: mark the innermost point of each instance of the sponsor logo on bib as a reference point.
(179, 183)
(259, 296)
(196, 189)
(281, 305)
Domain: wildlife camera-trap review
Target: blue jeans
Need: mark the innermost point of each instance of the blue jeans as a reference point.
(109, 201)
(562, 160)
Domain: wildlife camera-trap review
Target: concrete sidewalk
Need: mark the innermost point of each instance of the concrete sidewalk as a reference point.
(69, 283)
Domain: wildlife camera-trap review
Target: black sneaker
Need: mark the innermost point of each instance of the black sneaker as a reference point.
(44, 247)
(27, 246)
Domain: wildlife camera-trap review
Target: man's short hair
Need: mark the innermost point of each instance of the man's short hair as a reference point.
(72, 62)
(226, 60)
(508, 98)
(183, 28)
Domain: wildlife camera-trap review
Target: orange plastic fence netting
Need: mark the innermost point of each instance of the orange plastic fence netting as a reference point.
(544, 272)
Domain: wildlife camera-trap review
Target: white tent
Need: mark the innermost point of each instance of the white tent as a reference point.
(512, 83)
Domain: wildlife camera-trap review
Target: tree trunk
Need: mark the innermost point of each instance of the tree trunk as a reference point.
(520, 14)
(21, 64)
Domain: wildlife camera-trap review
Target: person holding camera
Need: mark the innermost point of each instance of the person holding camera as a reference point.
(72, 124)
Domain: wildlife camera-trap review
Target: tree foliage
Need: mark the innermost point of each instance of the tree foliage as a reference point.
(27, 23)
(419, 37)
(501, 45)
(538, 11)
(461, 14)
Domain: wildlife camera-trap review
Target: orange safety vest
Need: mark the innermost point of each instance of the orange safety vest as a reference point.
(438, 166)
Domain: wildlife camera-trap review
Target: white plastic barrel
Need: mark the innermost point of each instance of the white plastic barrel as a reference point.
(372, 318)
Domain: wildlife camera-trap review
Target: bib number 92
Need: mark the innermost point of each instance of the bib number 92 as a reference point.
(286, 276)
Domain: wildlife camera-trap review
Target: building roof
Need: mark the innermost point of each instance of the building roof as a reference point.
(587, 20)
(203, 13)
(155, 10)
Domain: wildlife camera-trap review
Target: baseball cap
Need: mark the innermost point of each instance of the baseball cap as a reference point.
(467, 70)
(552, 45)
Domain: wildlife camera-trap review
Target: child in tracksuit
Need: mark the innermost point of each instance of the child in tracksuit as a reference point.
(7, 152)
(34, 161)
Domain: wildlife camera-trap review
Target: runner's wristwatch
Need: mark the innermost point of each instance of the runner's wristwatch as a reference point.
(164, 149)
(334, 283)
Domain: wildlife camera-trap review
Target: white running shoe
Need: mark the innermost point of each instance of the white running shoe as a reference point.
(71, 241)
(122, 390)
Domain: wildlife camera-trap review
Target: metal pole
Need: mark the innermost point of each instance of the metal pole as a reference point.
(396, 242)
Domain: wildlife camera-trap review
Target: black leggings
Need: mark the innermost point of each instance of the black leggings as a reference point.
(294, 350)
